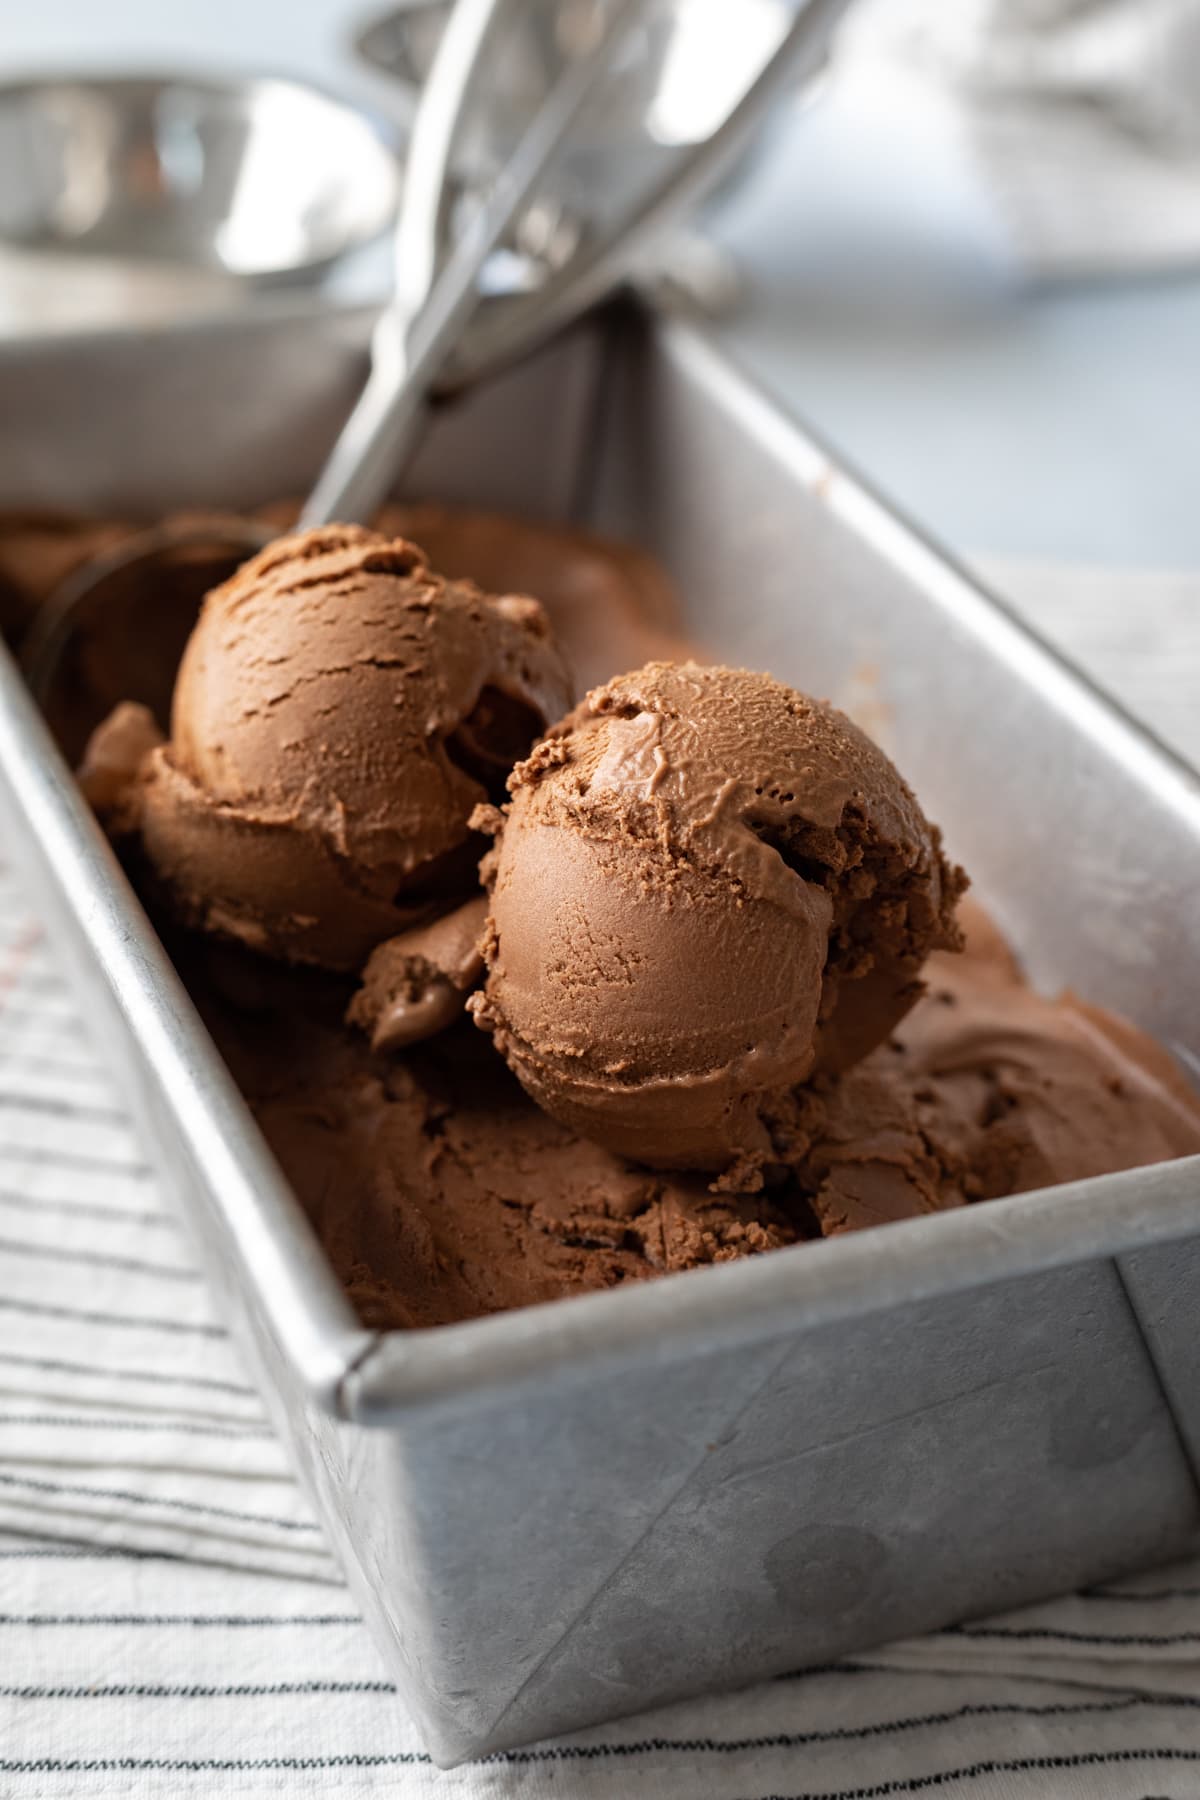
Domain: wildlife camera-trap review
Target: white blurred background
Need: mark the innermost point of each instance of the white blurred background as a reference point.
(973, 263)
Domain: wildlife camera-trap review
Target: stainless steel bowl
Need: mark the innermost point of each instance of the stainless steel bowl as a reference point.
(247, 179)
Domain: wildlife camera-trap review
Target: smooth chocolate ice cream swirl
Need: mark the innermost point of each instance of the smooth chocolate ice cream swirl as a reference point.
(986, 1089)
(417, 983)
(706, 885)
(1022, 1091)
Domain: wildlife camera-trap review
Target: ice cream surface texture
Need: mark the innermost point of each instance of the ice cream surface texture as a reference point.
(442, 1192)
(988, 1089)
(706, 886)
(339, 711)
(415, 984)
(611, 606)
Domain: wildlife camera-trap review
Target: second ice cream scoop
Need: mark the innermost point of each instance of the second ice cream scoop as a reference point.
(705, 886)
(340, 710)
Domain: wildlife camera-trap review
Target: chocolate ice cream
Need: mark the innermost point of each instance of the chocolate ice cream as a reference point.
(610, 605)
(989, 1089)
(113, 760)
(339, 711)
(1025, 1092)
(415, 984)
(38, 550)
(706, 884)
(442, 1191)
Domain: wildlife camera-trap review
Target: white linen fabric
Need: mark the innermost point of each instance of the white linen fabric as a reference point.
(171, 1622)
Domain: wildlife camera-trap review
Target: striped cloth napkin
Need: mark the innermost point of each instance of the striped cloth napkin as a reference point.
(171, 1622)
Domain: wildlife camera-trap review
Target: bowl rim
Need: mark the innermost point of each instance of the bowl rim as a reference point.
(377, 132)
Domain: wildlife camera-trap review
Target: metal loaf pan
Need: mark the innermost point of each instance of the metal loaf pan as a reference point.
(563, 1514)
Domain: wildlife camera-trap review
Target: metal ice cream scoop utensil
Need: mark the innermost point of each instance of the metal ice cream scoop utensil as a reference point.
(434, 296)
(437, 278)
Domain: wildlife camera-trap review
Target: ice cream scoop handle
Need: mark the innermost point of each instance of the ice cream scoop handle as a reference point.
(406, 358)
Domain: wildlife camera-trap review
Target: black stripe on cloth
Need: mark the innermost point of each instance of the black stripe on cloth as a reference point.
(46, 1157)
(793, 1740)
(81, 1422)
(566, 1753)
(231, 1620)
(57, 1366)
(40, 981)
(854, 1668)
(552, 1753)
(1037, 1633)
(50, 1003)
(97, 1765)
(82, 1554)
(56, 1065)
(38, 1203)
(99, 1259)
(790, 1740)
(28, 978)
(1084, 1759)
(1017, 1765)
(1179, 1593)
(193, 1506)
(60, 1019)
(53, 1106)
(11, 1303)
(167, 1690)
